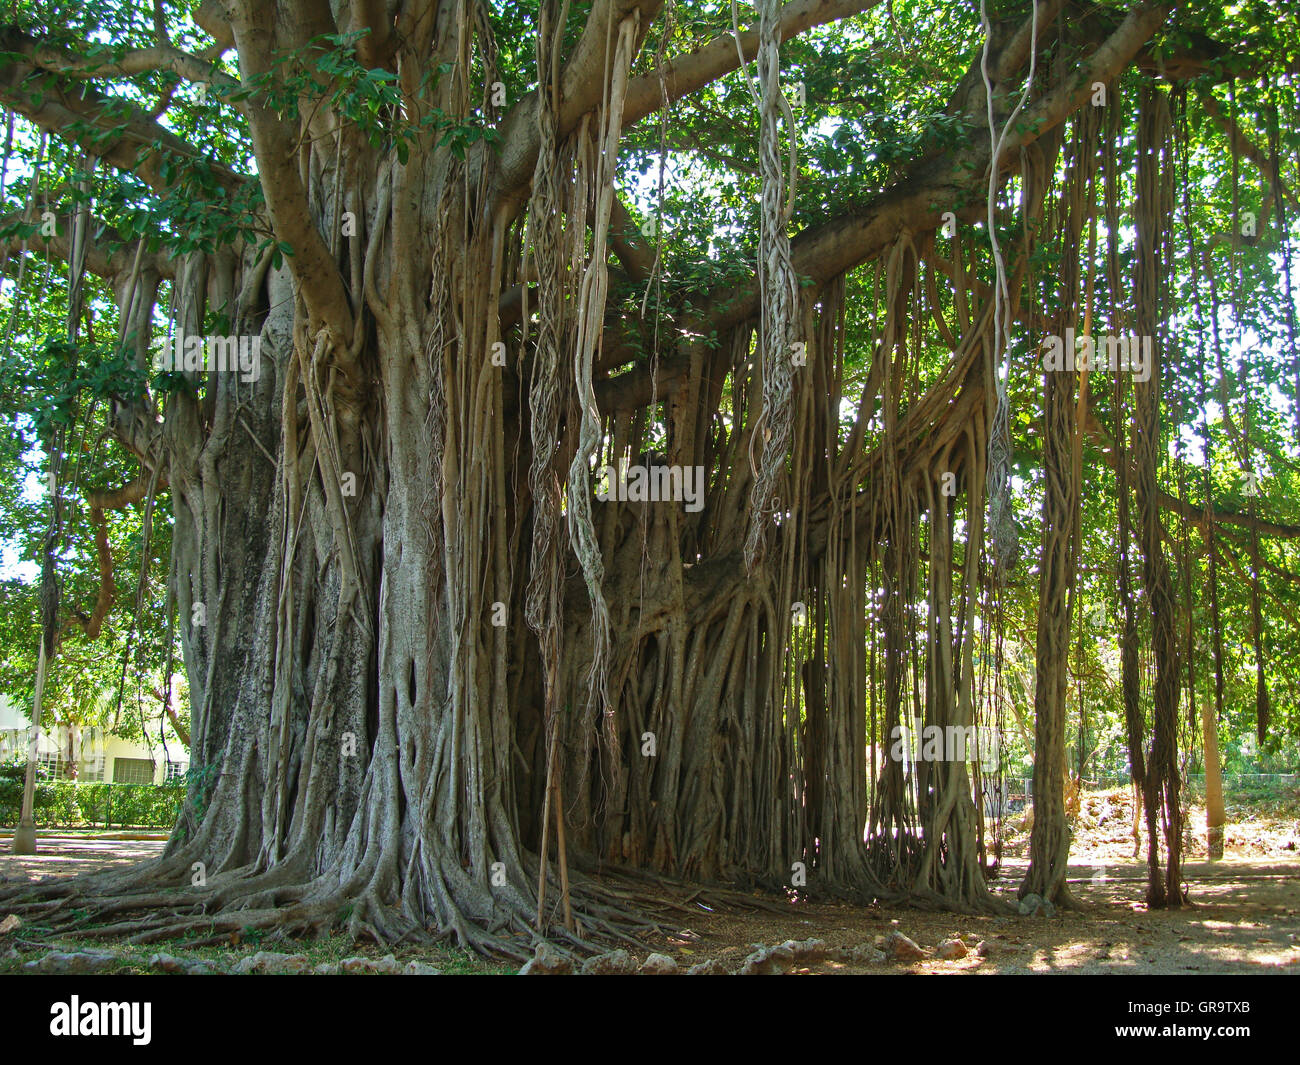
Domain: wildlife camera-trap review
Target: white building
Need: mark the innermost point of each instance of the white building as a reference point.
(92, 754)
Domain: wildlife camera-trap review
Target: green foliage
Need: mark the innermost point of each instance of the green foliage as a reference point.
(326, 72)
(199, 781)
(71, 803)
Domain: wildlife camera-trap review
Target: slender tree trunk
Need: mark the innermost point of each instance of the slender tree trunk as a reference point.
(1214, 812)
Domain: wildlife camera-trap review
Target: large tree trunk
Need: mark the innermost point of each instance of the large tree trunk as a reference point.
(417, 646)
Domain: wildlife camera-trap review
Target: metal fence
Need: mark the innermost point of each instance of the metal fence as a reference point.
(1250, 781)
(67, 803)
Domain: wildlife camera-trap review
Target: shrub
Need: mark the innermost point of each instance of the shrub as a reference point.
(66, 803)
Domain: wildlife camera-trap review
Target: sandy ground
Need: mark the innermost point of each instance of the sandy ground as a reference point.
(71, 855)
(1244, 918)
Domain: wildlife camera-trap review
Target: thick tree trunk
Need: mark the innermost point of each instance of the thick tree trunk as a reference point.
(412, 636)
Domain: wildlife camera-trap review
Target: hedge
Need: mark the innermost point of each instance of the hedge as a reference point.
(70, 802)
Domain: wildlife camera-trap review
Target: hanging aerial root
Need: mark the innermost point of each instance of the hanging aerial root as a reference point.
(778, 287)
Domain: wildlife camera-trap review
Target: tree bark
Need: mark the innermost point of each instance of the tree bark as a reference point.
(1214, 811)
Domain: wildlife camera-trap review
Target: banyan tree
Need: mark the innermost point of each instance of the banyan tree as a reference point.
(590, 431)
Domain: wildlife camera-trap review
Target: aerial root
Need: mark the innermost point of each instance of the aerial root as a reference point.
(139, 914)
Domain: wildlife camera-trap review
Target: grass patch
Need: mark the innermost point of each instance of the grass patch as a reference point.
(134, 959)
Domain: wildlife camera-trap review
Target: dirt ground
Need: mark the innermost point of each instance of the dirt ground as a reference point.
(1263, 827)
(73, 854)
(1244, 915)
(1244, 918)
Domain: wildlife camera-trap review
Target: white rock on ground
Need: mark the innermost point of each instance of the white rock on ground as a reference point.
(768, 961)
(614, 963)
(952, 950)
(270, 962)
(90, 961)
(546, 961)
(806, 950)
(387, 965)
(659, 965)
(900, 948)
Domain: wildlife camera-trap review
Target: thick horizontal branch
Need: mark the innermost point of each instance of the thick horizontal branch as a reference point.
(583, 76)
(101, 259)
(106, 127)
(1195, 515)
(946, 183)
(1104, 65)
(130, 493)
(689, 73)
(582, 89)
(154, 59)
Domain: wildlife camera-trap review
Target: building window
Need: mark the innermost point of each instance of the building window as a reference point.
(52, 767)
(92, 770)
(13, 741)
(175, 770)
(132, 771)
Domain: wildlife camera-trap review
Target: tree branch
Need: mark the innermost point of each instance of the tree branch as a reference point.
(99, 259)
(275, 143)
(1195, 514)
(99, 500)
(134, 61)
(582, 87)
(109, 128)
(213, 18)
(1243, 145)
(625, 239)
(688, 73)
(918, 201)
(1111, 57)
